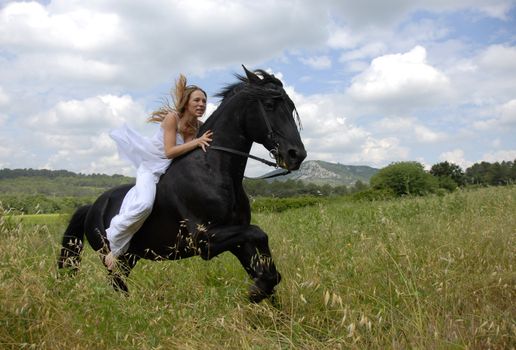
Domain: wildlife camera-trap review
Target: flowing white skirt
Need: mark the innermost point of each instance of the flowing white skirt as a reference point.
(142, 151)
(148, 156)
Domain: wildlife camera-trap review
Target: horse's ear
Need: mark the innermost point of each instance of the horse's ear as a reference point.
(253, 78)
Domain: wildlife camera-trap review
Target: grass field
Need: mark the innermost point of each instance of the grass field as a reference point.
(428, 273)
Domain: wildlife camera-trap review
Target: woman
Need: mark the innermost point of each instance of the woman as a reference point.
(177, 136)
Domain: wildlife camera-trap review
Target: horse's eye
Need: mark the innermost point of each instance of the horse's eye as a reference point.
(268, 105)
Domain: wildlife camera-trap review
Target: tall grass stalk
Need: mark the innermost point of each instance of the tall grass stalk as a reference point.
(432, 272)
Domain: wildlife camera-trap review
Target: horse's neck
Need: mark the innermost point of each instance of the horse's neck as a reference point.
(227, 133)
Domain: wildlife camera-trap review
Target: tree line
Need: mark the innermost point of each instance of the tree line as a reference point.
(483, 173)
(495, 174)
(410, 178)
(16, 173)
(56, 183)
(32, 191)
(294, 188)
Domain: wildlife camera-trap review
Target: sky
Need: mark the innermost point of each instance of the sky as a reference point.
(374, 81)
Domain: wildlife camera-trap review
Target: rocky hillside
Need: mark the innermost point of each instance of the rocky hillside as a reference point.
(320, 173)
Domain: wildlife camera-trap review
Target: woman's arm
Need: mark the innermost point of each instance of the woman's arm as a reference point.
(172, 150)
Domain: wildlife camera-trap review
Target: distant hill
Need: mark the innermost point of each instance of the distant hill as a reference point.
(56, 182)
(334, 174)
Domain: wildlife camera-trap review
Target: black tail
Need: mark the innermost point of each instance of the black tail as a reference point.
(73, 240)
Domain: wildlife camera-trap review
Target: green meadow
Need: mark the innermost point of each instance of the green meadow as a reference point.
(432, 272)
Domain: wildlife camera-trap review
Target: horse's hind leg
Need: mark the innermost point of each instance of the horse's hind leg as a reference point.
(119, 275)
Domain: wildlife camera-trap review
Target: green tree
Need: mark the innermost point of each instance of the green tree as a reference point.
(495, 174)
(404, 178)
(478, 173)
(359, 186)
(450, 170)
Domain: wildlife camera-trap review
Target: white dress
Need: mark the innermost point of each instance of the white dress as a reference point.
(148, 156)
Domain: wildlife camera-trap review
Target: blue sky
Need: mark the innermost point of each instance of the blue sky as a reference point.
(375, 82)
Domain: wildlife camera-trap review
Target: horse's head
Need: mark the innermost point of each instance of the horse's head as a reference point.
(272, 120)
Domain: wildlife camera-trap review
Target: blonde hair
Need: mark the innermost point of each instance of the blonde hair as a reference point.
(180, 96)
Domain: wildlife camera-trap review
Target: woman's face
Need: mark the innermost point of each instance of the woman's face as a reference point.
(196, 104)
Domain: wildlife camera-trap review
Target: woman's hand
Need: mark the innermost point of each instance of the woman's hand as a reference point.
(204, 140)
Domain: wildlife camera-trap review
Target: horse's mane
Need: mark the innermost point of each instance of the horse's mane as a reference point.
(253, 90)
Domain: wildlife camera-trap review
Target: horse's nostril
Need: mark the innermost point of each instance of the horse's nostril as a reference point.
(297, 154)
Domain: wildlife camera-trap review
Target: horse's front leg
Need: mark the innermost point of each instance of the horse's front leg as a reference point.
(256, 258)
(251, 246)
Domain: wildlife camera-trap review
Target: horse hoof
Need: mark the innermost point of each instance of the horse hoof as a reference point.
(263, 288)
(256, 294)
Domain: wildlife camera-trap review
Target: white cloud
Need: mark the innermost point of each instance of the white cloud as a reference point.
(368, 50)
(330, 136)
(484, 77)
(381, 14)
(11, 153)
(500, 155)
(505, 118)
(64, 47)
(4, 98)
(404, 79)
(88, 116)
(499, 58)
(426, 135)
(409, 129)
(425, 30)
(318, 62)
(380, 152)
(455, 156)
(4, 151)
(395, 124)
(497, 9)
(342, 38)
(508, 113)
(62, 69)
(97, 154)
(376, 13)
(31, 26)
(136, 44)
(76, 131)
(357, 66)
(496, 143)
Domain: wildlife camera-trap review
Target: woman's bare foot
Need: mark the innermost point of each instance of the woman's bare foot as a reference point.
(110, 261)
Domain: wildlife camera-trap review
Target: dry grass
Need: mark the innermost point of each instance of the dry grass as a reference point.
(415, 273)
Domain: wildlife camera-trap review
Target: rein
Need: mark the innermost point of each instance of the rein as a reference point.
(243, 154)
(276, 173)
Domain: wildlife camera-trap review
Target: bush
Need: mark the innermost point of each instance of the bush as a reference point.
(405, 178)
(447, 183)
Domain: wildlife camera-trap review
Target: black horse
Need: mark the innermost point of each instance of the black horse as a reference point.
(201, 207)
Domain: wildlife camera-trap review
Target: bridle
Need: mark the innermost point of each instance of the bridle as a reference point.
(274, 152)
